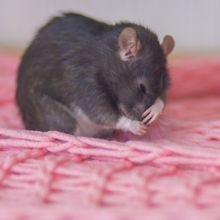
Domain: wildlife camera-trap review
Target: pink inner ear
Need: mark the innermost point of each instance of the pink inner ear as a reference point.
(127, 53)
(168, 44)
(128, 43)
(127, 38)
(130, 48)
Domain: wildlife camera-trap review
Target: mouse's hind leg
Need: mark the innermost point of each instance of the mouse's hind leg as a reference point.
(46, 114)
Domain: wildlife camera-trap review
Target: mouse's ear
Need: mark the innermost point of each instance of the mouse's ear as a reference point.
(168, 44)
(129, 43)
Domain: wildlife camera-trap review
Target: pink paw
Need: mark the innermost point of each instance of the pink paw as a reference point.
(138, 128)
(153, 112)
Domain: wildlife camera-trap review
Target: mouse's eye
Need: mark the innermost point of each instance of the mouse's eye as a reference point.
(142, 88)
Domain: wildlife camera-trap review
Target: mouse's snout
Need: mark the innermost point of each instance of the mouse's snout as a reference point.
(141, 107)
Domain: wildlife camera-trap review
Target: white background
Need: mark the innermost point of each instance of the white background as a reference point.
(195, 24)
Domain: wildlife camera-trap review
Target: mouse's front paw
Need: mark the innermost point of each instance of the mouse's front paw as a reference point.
(137, 128)
(153, 112)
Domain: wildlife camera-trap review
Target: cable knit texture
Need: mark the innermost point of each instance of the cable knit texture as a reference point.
(172, 173)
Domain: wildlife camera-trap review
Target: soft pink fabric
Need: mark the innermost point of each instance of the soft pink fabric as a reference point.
(172, 173)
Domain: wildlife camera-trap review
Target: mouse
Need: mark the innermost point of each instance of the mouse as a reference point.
(89, 78)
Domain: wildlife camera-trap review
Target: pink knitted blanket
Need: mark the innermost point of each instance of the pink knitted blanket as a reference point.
(173, 173)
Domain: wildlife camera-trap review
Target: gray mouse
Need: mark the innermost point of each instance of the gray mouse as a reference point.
(88, 78)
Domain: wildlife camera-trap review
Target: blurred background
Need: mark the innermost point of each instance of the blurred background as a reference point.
(194, 24)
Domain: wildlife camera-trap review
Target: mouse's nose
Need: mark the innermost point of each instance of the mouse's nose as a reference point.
(139, 109)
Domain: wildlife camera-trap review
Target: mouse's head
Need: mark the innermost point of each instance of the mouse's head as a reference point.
(142, 75)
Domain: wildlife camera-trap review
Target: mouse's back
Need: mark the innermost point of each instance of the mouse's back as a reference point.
(73, 27)
(62, 39)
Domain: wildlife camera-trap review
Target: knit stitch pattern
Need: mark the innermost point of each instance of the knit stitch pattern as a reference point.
(171, 173)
